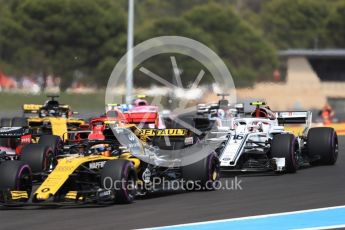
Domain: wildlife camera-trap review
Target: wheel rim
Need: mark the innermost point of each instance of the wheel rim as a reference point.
(49, 162)
(336, 150)
(130, 187)
(214, 175)
(214, 172)
(295, 155)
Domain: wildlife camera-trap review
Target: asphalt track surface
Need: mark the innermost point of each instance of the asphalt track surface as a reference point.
(309, 188)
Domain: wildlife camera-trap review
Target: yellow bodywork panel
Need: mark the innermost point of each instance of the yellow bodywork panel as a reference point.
(35, 120)
(17, 195)
(73, 195)
(66, 167)
(61, 173)
(75, 121)
(59, 126)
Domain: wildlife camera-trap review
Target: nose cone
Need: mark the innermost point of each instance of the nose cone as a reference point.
(42, 196)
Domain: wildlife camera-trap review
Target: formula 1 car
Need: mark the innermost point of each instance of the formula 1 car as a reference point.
(12, 141)
(100, 171)
(51, 118)
(18, 143)
(260, 143)
(140, 112)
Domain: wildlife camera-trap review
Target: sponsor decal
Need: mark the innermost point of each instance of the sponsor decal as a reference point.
(146, 176)
(45, 190)
(64, 168)
(131, 137)
(238, 137)
(97, 165)
(31, 107)
(105, 193)
(163, 132)
(26, 139)
(188, 141)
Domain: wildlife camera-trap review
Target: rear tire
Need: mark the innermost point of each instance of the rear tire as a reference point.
(284, 146)
(203, 174)
(5, 122)
(323, 143)
(40, 158)
(120, 177)
(15, 175)
(52, 141)
(19, 122)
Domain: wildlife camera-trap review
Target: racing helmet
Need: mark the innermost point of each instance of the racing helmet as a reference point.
(140, 102)
(265, 112)
(102, 149)
(260, 112)
(51, 104)
(221, 113)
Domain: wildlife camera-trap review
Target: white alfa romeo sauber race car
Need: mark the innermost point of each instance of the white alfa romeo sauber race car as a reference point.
(259, 142)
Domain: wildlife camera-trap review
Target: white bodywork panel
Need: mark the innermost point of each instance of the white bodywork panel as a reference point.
(245, 131)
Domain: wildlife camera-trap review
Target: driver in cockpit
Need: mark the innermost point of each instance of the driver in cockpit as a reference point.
(263, 112)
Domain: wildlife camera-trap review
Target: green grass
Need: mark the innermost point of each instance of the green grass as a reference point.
(10, 102)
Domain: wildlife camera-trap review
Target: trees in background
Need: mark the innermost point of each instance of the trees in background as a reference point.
(296, 23)
(67, 38)
(84, 39)
(335, 27)
(249, 56)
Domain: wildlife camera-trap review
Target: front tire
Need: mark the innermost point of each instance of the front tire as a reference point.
(15, 176)
(284, 146)
(203, 174)
(120, 177)
(322, 143)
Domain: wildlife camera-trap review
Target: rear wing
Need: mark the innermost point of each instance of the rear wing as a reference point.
(294, 117)
(31, 108)
(205, 109)
(13, 132)
(212, 109)
(141, 117)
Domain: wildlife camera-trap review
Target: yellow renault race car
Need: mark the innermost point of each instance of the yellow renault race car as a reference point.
(51, 118)
(110, 167)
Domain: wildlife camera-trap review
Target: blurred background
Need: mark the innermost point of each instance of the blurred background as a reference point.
(290, 53)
